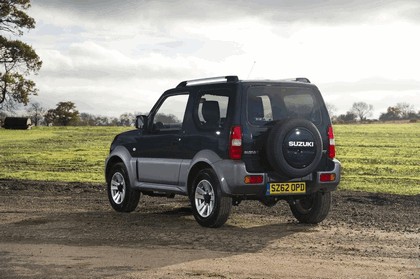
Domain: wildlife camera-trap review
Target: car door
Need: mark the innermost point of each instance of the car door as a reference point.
(159, 150)
(211, 121)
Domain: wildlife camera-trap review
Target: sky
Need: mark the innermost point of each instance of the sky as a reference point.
(112, 57)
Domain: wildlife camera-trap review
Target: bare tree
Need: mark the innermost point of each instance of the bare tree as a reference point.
(332, 109)
(36, 112)
(405, 110)
(362, 110)
(9, 105)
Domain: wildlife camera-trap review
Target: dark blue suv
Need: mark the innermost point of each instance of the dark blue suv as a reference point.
(223, 140)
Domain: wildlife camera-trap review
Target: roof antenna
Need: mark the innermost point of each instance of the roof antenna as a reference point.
(252, 68)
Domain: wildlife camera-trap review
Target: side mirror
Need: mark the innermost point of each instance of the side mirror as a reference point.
(141, 121)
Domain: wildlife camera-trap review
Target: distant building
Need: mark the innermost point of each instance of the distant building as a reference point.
(17, 123)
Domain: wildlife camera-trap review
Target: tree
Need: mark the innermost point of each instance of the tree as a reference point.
(65, 114)
(10, 106)
(2, 117)
(166, 118)
(349, 117)
(392, 113)
(400, 111)
(127, 119)
(113, 121)
(36, 112)
(362, 110)
(87, 119)
(413, 116)
(332, 109)
(49, 117)
(17, 59)
(405, 110)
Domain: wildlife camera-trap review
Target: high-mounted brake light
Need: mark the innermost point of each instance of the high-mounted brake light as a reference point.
(235, 143)
(331, 148)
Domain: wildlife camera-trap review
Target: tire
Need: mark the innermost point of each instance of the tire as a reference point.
(288, 159)
(122, 197)
(210, 208)
(313, 209)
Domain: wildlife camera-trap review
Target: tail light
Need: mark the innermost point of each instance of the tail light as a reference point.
(253, 179)
(235, 143)
(331, 148)
(327, 177)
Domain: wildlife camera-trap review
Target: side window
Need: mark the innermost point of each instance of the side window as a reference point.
(170, 114)
(259, 109)
(211, 110)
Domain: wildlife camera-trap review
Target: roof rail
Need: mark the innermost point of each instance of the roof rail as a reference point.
(208, 80)
(298, 79)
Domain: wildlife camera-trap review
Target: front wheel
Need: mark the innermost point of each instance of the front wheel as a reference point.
(210, 208)
(121, 196)
(312, 209)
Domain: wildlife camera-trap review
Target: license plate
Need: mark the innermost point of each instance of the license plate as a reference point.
(287, 188)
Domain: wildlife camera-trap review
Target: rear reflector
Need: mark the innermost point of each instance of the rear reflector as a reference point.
(327, 177)
(253, 179)
(331, 148)
(235, 143)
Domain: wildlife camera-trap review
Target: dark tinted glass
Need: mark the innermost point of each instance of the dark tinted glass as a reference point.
(270, 103)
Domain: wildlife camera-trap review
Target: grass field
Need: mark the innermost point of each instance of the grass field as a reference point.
(380, 157)
(56, 153)
(375, 158)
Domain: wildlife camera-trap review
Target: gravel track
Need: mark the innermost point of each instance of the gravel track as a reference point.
(68, 230)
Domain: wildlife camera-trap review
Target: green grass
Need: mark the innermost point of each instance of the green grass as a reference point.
(56, 153)
(380, 158)
(375, 158)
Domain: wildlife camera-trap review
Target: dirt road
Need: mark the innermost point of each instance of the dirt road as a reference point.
(53, 230)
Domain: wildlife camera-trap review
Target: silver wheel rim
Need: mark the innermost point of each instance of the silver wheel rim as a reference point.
(204, 198)
(118, 188)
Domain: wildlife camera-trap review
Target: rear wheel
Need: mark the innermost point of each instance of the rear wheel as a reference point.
(121, 196)
(210, 208)
(312, 209)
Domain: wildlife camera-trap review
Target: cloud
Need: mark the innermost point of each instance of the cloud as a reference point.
(374, 84)
(91, 61)
(105, 81)
(380, 92)
(111, 57)
(321, 11)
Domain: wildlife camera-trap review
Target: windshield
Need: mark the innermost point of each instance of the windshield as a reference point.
(270, 103)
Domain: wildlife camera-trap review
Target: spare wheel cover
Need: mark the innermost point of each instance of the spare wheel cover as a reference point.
(294, 147)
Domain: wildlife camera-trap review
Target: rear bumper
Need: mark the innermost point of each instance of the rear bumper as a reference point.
(232, 175)
(331, 185)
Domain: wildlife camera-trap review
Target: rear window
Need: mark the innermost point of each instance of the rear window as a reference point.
(271, 103)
